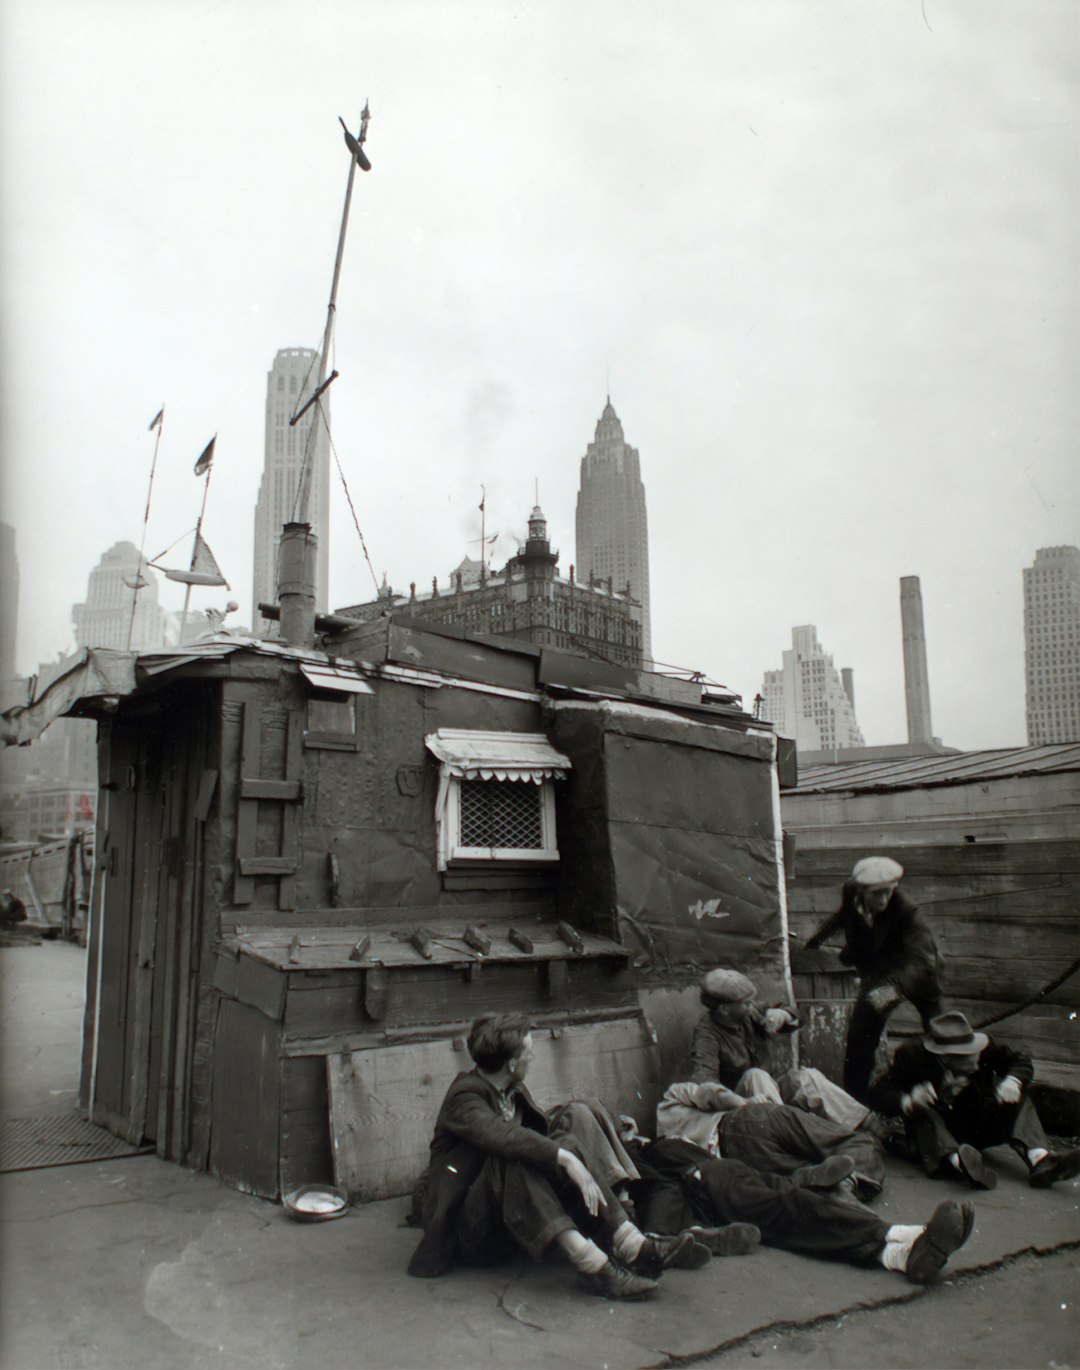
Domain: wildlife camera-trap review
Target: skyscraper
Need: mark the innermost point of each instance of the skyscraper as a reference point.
(916, 678)
(105, 619)
(809, 700)
(1052, 645)
(612, 526)
(289, 383)
(9, 600)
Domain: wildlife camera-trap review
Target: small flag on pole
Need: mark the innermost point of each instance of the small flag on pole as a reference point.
(155, 422)
(483, 497)
(203, 464)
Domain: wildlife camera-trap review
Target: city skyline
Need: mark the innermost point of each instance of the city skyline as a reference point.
(823, 259)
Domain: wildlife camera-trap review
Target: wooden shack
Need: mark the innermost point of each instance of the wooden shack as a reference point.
(318, 865)
(990, 843)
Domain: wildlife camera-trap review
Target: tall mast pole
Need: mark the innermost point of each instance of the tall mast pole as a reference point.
(354, 144)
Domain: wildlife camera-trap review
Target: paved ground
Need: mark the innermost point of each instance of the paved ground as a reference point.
(139, 1263)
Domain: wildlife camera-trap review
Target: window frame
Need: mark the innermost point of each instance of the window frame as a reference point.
(448, 826)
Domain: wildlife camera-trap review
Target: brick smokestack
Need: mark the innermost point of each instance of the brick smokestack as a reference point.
(916, 681)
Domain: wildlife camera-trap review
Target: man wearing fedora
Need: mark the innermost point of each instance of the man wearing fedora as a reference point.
(960, 1092)
(891, 946)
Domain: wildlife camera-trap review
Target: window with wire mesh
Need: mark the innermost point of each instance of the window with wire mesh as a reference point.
(501, 813)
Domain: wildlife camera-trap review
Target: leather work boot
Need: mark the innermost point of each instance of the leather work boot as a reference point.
(734, 1239)
(950, 1226)
(974, 1169)
(614, 1281)
(1058, 1165)
(660, 1253)
(825, 1174)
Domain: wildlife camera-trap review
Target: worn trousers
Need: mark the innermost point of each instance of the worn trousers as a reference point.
(681, 1183)
(981, 1121)
(782, 1140)
(512, 1204)
(864, 1033)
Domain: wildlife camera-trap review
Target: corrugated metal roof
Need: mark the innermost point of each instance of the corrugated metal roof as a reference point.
(911, 772)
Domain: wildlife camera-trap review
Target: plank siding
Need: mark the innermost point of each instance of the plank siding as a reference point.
(383, 1103)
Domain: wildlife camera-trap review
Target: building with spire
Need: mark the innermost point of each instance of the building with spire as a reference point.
(1052, 645)
(809, 700)
(611, 524)
(527, 600)
(290, 381)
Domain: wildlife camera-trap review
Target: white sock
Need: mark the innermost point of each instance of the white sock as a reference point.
(1036, 1154)
(899, 1240)
(627, 1242)
(583, 1254)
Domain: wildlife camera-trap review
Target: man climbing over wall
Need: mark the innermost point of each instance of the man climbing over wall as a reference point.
(892, 947)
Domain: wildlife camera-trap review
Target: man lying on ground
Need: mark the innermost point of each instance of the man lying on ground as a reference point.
(960, 1092)
(774, 1138)
(683, 1185)
(504, 1178)
(732, 1039)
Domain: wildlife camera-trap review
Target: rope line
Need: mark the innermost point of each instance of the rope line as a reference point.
(348, 495)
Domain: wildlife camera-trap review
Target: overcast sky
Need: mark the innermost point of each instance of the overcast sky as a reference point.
(825, 255)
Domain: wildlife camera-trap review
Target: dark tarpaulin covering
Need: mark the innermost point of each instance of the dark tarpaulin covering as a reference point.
(693, 853)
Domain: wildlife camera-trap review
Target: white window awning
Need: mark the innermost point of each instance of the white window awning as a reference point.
(335, 678)
(470, 754)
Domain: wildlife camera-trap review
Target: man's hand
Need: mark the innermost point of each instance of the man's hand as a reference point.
(777, 1019)
(587, 1186)
(921, 1097)
(1008, 1090)
(883, 997)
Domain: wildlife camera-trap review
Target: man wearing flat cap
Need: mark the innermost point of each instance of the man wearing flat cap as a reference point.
(890, 944)
(961, 1092)
(769, 1123)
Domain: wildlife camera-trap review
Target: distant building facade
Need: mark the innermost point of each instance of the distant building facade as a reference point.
(1052, 645)
(527, 601)
(105, 618)
(290, 381)
(809, 700)
(612, 529)
(9, 600)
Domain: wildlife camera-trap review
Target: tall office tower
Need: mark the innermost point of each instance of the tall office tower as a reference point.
(106, 618)
(809, 700)
(9, 600)
(1052, 645)
(290, 382)
(916, 680)
(612, 527)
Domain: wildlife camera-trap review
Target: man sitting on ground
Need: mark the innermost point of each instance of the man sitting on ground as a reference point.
(960, 1092)
(730, 1043)
(501, 1180)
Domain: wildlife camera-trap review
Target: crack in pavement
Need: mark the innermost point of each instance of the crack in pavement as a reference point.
(781, 1327)
(502, 1304)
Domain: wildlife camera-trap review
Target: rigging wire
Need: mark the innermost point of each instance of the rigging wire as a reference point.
(348, 496)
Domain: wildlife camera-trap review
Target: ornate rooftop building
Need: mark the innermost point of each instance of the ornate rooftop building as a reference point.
(528, 600)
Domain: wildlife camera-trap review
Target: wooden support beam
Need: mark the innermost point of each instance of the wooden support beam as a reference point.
(375, 991)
